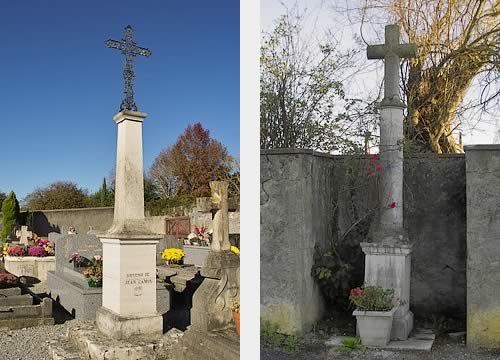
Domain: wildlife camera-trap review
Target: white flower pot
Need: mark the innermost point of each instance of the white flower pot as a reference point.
(374, 326)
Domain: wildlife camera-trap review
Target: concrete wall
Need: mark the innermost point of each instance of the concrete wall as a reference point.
(100, 219)
(294, 217)
(483, 244)
(309, 198)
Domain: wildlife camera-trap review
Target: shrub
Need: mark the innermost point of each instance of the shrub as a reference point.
(10, 211)
(372, 298)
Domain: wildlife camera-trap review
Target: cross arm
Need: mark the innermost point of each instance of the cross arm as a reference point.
(141, 51)
(376, 51)
(406, 50)
(115, 44)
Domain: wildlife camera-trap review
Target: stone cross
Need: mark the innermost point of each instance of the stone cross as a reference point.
(392, 52)
(220, 217)
(128, 48)
(24, 234)
(219, 205)
(390, 225)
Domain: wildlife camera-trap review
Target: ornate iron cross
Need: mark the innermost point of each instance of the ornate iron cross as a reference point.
(392, 52)
(128, 48)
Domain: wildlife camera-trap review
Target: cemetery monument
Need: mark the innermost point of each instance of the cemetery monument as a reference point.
(388, 260)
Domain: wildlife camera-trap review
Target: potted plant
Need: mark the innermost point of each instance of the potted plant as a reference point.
(172, 255)
(374, 313)
(235, 308)
(94, 272)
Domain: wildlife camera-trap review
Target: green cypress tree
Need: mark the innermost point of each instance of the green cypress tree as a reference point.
(10, 212)
(104, 193)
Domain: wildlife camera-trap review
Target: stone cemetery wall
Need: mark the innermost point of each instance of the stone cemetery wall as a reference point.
(483, 244)
(46, 221)
(309, 199)
(294, 217)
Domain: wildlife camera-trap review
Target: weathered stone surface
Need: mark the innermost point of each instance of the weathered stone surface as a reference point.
(212, 301)
(297, 206)
(434, 211)
(85, 342)
(220, 345)
(483, 246)
(32, 266)
(21, 316)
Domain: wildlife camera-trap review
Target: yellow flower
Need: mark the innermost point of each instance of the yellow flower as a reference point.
(235, 250)
(173, 255)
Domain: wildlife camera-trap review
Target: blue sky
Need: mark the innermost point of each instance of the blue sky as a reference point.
(60, 85)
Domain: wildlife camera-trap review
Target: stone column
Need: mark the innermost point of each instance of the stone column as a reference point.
(129, 249)
(388, 260)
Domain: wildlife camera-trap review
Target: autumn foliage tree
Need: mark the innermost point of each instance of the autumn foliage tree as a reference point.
(187, 167)
(58, 195)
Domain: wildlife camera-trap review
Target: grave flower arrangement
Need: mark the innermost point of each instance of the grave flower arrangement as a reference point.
(235, 308)
(372, 298)
(172, 255)
(200, 237)
(374, 312)
(15, 250)
(93, 273)
(235, 250)
(37, 251)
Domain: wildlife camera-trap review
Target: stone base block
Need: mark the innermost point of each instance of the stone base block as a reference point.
(84, 341)
(402, 326)
(125, 327)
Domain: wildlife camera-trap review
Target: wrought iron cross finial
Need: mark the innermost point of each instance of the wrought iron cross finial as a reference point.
(128, 48)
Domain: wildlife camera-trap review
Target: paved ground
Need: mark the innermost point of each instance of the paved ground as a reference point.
(312, 346)
(444, 349)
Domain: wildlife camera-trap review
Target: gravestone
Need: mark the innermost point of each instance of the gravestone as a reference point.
(18, 310)
(388, 261)
(67, 285)
(24, 235)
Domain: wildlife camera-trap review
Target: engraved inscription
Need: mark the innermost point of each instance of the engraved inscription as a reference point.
(137, 280)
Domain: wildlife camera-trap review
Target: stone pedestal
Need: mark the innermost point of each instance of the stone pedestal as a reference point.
(389, 266)
(129, 287)
(212, 301)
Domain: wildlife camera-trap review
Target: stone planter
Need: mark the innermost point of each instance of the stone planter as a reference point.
(32, 266)
(374, 326)
(195, 255)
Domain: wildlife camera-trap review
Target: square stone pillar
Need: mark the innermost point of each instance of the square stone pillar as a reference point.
(129, 249)
(389, 266)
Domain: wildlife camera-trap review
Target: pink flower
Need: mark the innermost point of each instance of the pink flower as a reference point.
(356, 291)
(378, 167)
(392, 205)
(370, 174)
(374, 157)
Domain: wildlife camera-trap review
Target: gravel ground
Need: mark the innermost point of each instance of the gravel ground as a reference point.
(30, 343)
(443, 349)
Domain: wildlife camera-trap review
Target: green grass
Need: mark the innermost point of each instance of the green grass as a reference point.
(270, 336)
(350, 344)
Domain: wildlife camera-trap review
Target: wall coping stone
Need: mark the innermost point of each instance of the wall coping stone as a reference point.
(429, 155)
(480, 147)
